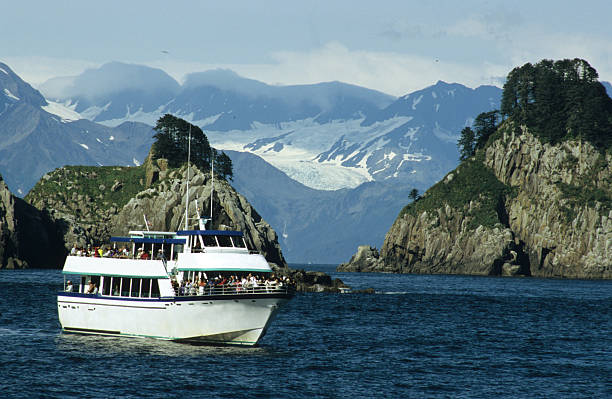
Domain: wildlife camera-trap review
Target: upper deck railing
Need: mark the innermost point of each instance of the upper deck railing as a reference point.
(228, 289)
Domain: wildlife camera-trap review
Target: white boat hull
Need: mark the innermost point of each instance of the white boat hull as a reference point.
(230, 319)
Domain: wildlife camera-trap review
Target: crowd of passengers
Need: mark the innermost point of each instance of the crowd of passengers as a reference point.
(233, 283)
(123, 252)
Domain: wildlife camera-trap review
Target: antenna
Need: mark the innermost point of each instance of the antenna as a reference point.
(212, 182)
(146, 221)
(187, 193)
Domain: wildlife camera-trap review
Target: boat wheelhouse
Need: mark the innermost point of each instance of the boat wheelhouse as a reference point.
(190, 285)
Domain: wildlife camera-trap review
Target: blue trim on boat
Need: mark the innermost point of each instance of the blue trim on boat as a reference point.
(185, 298)
(209, 233)
(146, 240)
(118, 298)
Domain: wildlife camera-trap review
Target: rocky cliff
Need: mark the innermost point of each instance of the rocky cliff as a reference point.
(163, 204)
(29, 238)
(519, 207)
(94, 203)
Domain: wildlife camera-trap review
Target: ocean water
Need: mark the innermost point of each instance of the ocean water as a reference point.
(418, 336)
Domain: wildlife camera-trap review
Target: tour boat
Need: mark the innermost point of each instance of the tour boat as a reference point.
(150, 290)
(122, 292)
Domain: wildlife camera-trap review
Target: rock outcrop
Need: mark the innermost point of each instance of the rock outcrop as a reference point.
(163, 205)
(94, 203)
(29, 238)
(84, 199)
(553, 220)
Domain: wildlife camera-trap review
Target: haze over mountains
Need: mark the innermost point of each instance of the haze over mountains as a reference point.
(313, 139)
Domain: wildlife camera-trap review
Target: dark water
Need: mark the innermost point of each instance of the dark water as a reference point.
(420, 336)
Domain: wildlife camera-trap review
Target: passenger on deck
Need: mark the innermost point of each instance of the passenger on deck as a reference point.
(92, 289)
(69, 286)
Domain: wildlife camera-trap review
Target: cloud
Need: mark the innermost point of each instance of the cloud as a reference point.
(389, 72)
(36, 70)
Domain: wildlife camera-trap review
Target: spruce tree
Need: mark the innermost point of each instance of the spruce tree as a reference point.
(466, 143)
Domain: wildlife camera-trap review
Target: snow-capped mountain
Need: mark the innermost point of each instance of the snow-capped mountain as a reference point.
(114, 92)
(318, 226)
(326, 136)
(34, 139)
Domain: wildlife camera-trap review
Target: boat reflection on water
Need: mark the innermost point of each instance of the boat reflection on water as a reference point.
(77, 346)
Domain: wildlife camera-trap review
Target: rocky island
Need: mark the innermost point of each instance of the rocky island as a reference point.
(532, 198)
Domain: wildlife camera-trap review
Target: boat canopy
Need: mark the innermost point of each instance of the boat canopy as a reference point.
(114, 267)
(209, 233)
(218, 261)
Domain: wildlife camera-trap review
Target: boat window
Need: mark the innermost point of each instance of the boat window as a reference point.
(135, 287)
(177, 249)
(125, 286)
(224, 241)
(116, 283)
(96, 281)
(106, 285)
(238, 242)
(146, 288)
(209, 241)
(154, 289)
(84, 283)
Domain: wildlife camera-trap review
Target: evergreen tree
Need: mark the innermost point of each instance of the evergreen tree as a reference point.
(223, 166)
(558, 100)
(485, 125)
(172, 143)
(414, 194)
(466, 143)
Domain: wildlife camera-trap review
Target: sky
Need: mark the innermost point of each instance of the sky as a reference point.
(392, 46)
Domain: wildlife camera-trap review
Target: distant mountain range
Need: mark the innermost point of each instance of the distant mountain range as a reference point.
(330, 164)
(326, 136)
(34, 140)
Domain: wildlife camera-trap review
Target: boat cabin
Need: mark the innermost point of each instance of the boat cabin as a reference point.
(213, 240)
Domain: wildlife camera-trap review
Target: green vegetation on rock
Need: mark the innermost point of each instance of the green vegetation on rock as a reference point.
(471, 181)
(98, 186)
(559, 100)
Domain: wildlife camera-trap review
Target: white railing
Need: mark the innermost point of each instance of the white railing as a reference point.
(236, 290)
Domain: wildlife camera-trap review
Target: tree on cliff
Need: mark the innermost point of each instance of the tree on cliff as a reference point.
(223, 166)
(485, 125)
(559, 100)
(414, 194)
(466, 143)
(172, 143)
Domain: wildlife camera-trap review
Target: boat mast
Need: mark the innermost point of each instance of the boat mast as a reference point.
(212, 182)
(187, 193)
